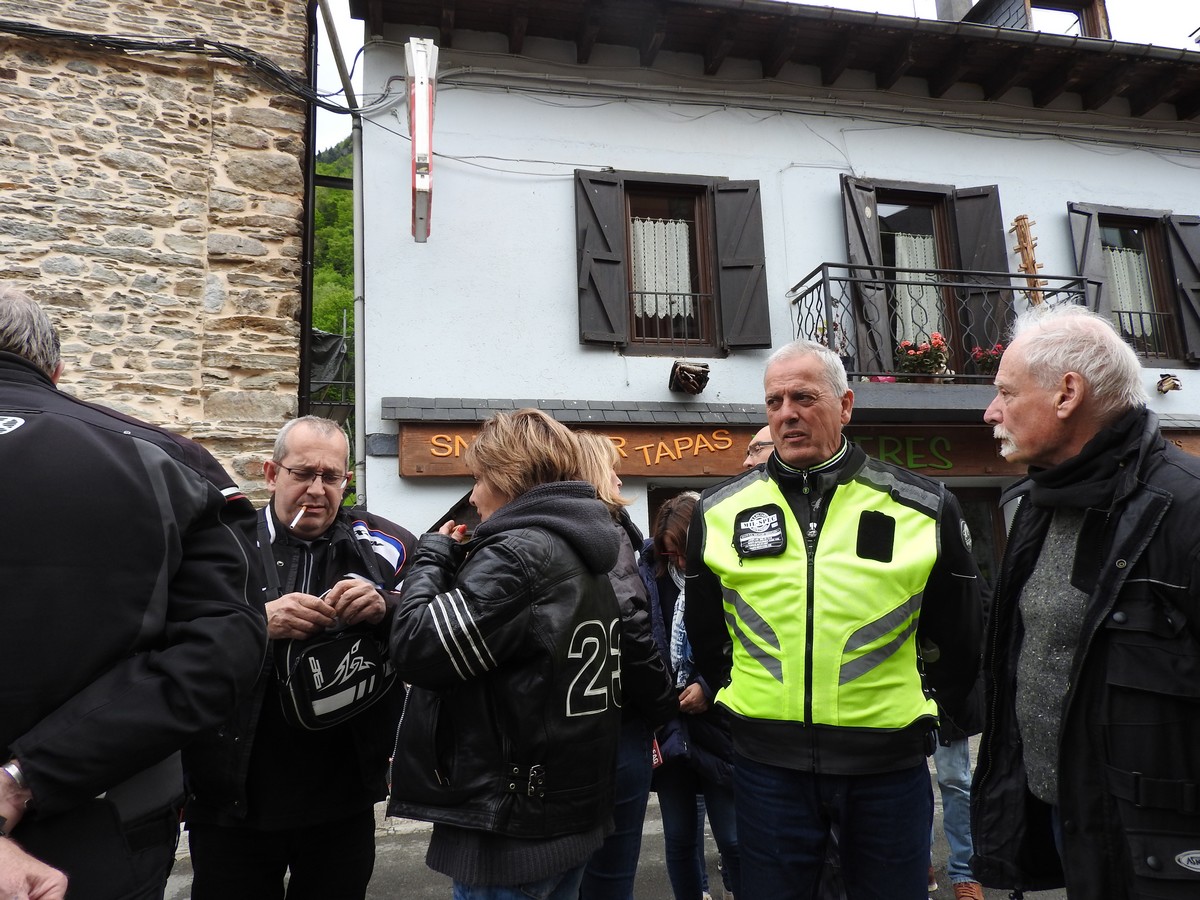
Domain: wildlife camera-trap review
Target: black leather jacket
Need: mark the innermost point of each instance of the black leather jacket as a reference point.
(218, 764)
(1128, 761)
(511, 641)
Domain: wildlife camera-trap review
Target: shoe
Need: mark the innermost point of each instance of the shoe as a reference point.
(932, 880)
(968, 890)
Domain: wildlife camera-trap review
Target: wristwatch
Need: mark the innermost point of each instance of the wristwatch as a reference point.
(13, 769)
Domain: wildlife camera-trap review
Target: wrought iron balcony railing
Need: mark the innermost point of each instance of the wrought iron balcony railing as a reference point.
(865, 312)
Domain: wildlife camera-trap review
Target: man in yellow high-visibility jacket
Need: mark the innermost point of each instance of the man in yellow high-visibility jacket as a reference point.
(832, 598)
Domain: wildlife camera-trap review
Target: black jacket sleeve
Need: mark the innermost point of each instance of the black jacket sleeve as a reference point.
(950, 630)
(704, 612)
(646, 687)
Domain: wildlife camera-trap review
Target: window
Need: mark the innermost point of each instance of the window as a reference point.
(1086, 18)
(924, 258)
(670, 264)
(1143, 270)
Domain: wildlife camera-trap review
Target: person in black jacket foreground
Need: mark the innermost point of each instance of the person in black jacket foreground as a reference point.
(510, 641)
(1092, 653)
(130, 624)
(648, 695)
(271, 794)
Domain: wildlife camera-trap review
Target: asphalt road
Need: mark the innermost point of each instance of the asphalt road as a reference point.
(400, 870)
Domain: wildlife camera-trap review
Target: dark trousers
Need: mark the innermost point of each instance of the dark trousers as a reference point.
(611, 871)
(329, 861)
(783, 821)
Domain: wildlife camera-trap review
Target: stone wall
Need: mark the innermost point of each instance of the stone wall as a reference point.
(153, 201)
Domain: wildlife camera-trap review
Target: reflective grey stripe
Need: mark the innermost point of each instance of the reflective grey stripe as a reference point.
(873, 631)
(736, 486)
(877, 657)
(754, 623)
(927, 500)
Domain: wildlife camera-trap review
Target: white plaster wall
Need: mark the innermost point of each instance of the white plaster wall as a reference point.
(488, 307)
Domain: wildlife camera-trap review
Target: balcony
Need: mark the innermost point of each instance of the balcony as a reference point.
(865, 312)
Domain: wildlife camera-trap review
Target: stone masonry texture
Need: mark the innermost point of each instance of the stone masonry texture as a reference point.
(152, 201)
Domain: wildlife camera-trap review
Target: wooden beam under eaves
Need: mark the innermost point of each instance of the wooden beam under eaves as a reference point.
(447, 27)
(1145, 98)
(589, 30)
(1007, 74)
(894, 68)
(837, 60)
(1114, 82)
(1053, 85)
(719, 45)
(374, 17)
(656, 33)
(1187, 106)
(781, 51)
(518, 25)
(950, 70)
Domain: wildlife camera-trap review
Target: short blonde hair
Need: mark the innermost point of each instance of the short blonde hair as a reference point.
(516, 451)
(598, 460)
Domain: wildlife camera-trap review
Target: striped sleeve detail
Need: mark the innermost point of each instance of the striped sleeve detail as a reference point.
(460, 636)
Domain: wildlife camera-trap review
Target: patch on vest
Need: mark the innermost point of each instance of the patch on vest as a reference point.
(876, 536)
(966, 534)
(10, 424)
(759, 532)
(1190, 860)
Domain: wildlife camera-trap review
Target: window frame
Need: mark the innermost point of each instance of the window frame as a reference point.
(1174, 270)
(972, 239)
(731, 248)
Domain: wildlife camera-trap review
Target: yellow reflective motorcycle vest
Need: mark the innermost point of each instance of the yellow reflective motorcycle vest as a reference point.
(824, 625)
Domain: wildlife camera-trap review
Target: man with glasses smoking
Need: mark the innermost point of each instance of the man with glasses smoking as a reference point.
(269, 797)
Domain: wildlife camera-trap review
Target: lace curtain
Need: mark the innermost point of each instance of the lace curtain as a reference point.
(918, 307)
(662, 270)
(1129, 281)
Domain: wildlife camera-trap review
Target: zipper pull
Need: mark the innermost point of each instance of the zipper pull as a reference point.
(812, 530)
(804, 478)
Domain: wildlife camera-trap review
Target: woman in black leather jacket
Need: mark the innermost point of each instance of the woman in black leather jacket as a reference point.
(648, 696)
(509, 641)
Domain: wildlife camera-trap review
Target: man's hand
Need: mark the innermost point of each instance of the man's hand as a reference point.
(357, 600)
(24, 878)
(13, 798)
(692, 699)
(299, 616)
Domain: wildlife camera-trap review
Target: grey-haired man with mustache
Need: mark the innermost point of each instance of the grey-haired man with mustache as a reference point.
(1088, 773)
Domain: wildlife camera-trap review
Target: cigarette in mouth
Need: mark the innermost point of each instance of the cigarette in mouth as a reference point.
(299, 516)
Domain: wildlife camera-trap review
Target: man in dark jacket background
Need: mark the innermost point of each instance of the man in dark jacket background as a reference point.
(130, 624)
(1093, 642)
(268, 796)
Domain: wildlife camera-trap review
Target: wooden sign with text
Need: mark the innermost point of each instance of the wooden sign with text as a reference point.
(690, 451)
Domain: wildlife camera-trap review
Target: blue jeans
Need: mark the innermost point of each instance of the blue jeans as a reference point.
(677, 784)
(563, 886)
(783, 819)
(953, 766)
(611, 870)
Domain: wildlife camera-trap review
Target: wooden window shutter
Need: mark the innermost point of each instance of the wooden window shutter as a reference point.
(741, 263)
(600, 245)
(1089, 255)
(1183, 241)
(982, 247)
(873, 334)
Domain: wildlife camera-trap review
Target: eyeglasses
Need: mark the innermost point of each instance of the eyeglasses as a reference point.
(758, 447)
(306, 476)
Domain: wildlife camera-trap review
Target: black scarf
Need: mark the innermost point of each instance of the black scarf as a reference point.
(1089, 479)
